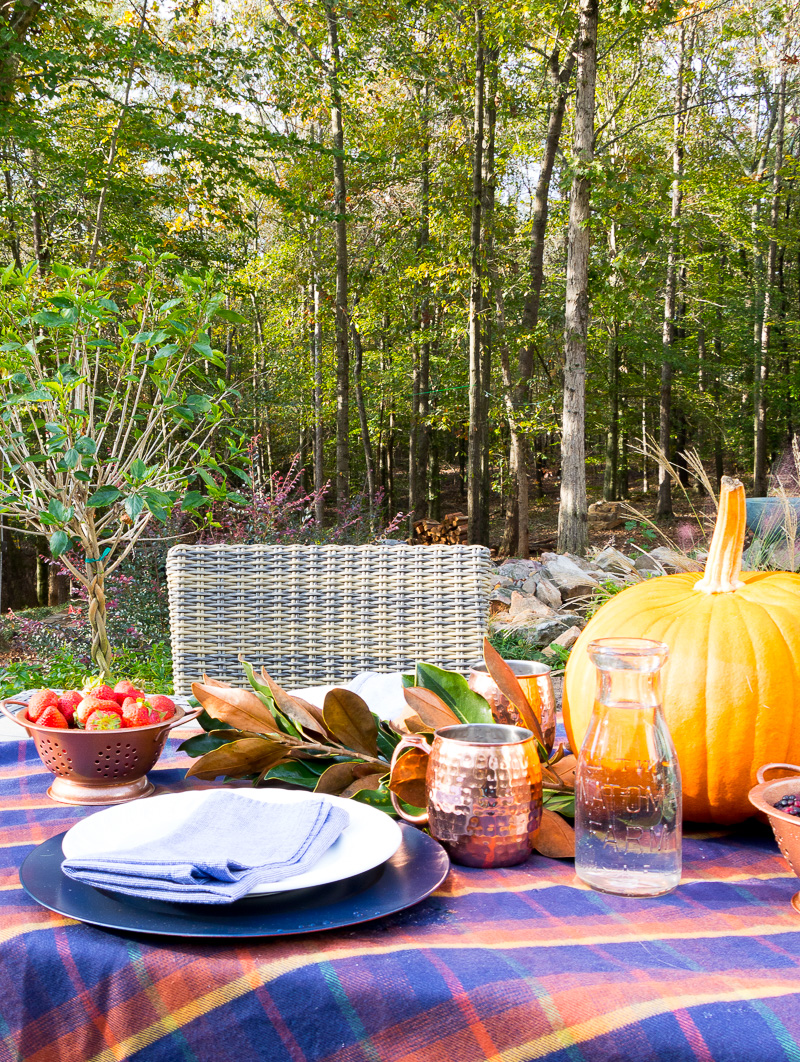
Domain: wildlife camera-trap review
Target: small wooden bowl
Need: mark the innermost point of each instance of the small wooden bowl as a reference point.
(786, 827)
(99, 766)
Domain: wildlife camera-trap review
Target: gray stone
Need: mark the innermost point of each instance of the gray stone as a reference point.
(548, 593)
(571, 619)
(571, 585)
(612, 560)
(579, 562)
(501, 581)
(501, 596)
(645, 563)
(529, 605)
(518, 570)
(674, 562)
(567, 638)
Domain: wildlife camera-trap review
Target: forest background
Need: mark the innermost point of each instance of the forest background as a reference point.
(466, 254)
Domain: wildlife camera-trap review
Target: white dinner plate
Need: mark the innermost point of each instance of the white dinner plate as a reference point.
(370, 838)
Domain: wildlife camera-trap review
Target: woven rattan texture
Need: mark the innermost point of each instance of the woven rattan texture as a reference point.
(321, 614)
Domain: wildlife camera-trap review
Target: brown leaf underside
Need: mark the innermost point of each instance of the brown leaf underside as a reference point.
(240, 708)
(431, 709)
(341, 776)
(556, 838)
(246, 756)
(300, 712)
(509, 686)
(350, 721)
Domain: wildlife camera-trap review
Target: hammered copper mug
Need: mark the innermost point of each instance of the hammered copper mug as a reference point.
(536, 680)
(484, 789)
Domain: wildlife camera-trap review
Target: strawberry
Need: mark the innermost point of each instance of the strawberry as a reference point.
(40, 700)
(135, 713)
(90, 703)
(163, 705)
(104, 719)
(53, 718)
(68, 702)
(126, 688)
(103, 692)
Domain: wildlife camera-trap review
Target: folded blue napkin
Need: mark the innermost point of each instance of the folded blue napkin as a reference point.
(228, 845)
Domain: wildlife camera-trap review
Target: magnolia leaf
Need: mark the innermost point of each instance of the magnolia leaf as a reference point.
(350, 721)
(469, 706)
(300, 712)
(240, 708)
(341, 776)
(238, 758)
(508, 684)
(431, 709)
(564, 768)
(215, 682)
(563, 803)
(408, 778)
(556, 838)
(368, 782)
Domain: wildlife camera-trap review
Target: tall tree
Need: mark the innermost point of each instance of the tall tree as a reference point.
(572, 514)
(664, 506)
(477, 423)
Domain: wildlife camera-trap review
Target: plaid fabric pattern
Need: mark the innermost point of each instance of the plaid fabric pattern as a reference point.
(499, 966)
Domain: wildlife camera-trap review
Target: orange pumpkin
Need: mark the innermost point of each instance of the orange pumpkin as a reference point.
(732, 682)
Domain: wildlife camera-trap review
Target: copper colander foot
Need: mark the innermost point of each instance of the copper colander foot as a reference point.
(66, 791)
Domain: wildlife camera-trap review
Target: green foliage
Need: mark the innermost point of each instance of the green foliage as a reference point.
(64, 669)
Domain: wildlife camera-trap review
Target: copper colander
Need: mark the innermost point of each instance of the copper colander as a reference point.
(99, 766)
(786, 827)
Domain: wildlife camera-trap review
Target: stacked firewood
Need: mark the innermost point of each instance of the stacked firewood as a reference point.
(450, 531)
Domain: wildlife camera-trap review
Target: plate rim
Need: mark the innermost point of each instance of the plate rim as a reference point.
(281, 887)
(416, 847)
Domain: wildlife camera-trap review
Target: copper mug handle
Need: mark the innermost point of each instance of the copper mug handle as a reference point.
(774, 767)
(413, 742)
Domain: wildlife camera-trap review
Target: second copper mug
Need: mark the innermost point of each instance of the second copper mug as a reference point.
(484, 789)
(537, 684)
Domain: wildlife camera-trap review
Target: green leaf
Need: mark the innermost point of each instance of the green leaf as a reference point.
(71, 458)
(236, 498)
(469, 706)
(133, 505)
(230, 315)
(204, 349)
(193, 499)
(138, 469)
(295, 772)
(59, 511)
(59, 543)
(85, 446)
(104, 496)
(198, 403)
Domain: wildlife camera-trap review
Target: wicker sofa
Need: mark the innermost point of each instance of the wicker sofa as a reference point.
(321, 614)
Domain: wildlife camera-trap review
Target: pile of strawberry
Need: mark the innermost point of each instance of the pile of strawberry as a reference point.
(99, 709)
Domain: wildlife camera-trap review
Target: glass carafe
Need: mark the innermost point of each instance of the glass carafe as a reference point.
(628, 784)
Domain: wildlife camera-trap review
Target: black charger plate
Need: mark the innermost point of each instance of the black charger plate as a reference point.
(417, 868)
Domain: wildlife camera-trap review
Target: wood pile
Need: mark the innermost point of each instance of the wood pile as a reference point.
(451, 531)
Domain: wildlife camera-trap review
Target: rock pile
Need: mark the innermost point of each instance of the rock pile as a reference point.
(545, 602)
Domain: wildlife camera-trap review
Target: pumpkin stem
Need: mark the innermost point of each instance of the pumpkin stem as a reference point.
(725, 554)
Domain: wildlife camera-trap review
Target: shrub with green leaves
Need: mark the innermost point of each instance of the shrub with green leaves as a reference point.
(108, 402)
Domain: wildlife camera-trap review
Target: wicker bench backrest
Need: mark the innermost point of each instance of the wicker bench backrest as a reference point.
(322, 614)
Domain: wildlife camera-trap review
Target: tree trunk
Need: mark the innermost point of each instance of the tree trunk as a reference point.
(476, 425)
(769, 304)
(610, 482)
(340, 236)
(516, 538)
(319, 452)
(362, 420)
(664, 506)
(572, 514)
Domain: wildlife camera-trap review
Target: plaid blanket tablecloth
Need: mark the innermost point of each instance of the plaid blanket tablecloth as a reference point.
(507, 966)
